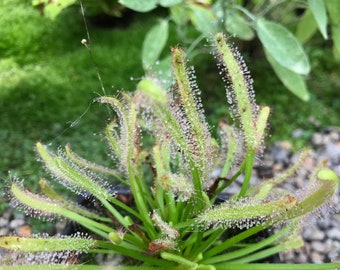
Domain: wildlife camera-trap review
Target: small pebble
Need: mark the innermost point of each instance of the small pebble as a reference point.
(336, 218)
(287, 256)
(4, 231)
(299, 182)
(334, 136)
(317, 139)
(7, 214)
(316, 257)
(301, 258)
(313, 234)
(3, 222)
(281, 152)
(323, 224)
(319, 247)
(24, 230)
(15, 223)
(334, 233)
(297, 133)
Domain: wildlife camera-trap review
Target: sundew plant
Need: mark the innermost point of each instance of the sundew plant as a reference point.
(180, 216)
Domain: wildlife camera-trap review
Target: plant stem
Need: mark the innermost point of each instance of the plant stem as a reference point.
(228, 183)
(204, 245)
(172, 210)
(248, 250)
(178, 259)
(141, 205)
(249, 162)
(233, 240)
(124, 207)
(198, 187)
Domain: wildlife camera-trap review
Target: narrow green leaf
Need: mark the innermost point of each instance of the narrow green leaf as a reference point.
(261, 124)
(49, 244)
(236, 24)
(43, 204)
(130, 156)
(87, 164)
(306, 27)
(240, 93)
(202, 150)
(154, 43)
(166, 117)
(246, 212)
(228, 135)
(327, 184)
(51, 193)
(138, 5)
(263, 190)
(243, 252)
(126, 143)
(65, 172)
(293, 81)
(76, 180)
(187, 264)
(47, 206)
(283, 46)
(113, 139)
(320, 15)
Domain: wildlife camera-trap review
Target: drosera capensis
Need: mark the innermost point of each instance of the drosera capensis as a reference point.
(175, 221)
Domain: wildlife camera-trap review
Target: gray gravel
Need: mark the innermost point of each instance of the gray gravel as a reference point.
(321, 232)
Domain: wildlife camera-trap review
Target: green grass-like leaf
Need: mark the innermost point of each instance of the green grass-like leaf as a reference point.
(43, 244)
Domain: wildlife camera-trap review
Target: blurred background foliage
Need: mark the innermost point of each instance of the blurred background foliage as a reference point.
(48, 81)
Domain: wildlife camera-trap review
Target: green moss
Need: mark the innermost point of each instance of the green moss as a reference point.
(48, 82)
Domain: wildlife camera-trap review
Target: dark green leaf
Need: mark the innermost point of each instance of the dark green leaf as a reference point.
(238, 25)
(294, 82)
(283, 46)
(154, 43)
(319, 11)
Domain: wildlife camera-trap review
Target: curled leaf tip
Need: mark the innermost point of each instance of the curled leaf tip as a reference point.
(327, 174)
